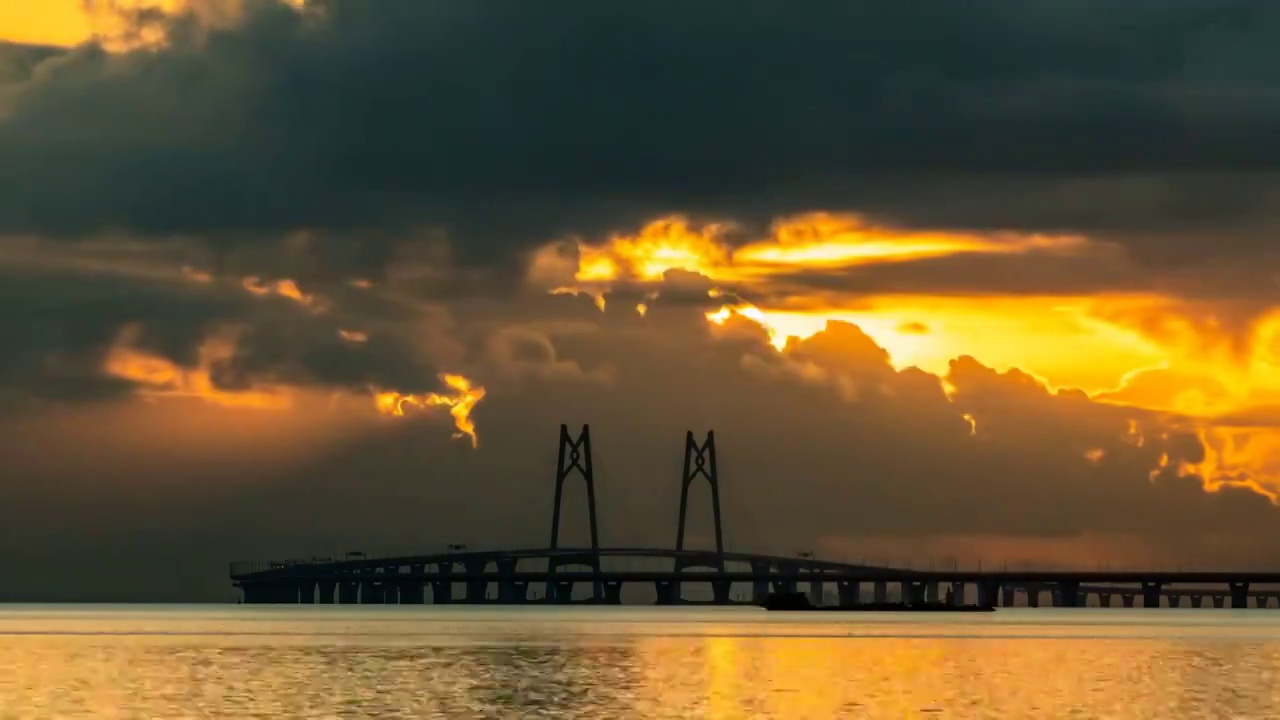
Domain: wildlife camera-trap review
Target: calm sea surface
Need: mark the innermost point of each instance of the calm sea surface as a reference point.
(241, 662)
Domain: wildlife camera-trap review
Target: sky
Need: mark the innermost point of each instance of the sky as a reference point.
(993, 281)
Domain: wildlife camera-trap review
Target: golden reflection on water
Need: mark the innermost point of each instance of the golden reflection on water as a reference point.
(424, 663)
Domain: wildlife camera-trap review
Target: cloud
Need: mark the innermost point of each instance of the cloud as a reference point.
(509, 125)
(992, 278)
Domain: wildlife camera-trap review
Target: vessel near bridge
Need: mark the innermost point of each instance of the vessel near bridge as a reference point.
(599, 574)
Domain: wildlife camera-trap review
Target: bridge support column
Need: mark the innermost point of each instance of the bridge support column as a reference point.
(1175, 600)
(1239, 595)
(513, 592)
(956, 596)
(988, 593)
(442, 592)
(720, 591)
(913, 592)
(849, 592)
(1197, 601)
(933, 591)
(1069, 594)
(307, 592)
(477, 590)
(666, 592)
(370, 592)
(613, 592)
(1033, 594)
(815, 591)
(1219, 601)
(391, 587)
(1126, 599)
(562, 591)
(348, 592)
(1010, 596)
(326, 591)
(413, 591)
(1150, 594)
(880, 591)
(784, 585)
(510, 592)
(1104, 600)
(759, 582)
(1261, 601)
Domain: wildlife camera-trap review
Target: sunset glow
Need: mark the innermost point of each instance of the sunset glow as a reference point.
(461, 402)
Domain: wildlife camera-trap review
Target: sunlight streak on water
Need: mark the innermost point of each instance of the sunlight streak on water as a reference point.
(422, 662)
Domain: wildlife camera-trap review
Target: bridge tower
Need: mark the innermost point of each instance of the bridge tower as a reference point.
(700, 460)
(575, 455)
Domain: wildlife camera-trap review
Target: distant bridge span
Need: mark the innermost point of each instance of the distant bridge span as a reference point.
(404, 579)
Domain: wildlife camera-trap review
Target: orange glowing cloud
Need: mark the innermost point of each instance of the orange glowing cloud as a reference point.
(815, 240)
(461, 402)
(284, 287)
(1144, 350)
(158, 376)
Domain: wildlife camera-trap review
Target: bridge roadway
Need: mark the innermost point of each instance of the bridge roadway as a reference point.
(404, 579)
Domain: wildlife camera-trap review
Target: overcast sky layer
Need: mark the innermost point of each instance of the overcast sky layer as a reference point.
(261, 261)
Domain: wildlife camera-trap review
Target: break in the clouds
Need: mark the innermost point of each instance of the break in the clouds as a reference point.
(508, 123)
(990, 275)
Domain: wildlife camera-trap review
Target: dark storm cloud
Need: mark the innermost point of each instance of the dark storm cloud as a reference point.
(510, 122)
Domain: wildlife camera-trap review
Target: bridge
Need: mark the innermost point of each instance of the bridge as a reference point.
(596, 574)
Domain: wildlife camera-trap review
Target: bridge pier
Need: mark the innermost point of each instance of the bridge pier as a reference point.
(880, 591)
(1033, 594)
(307, 592)
(1261, 601)
(412, 592)
(477, 590)
(348, 592)
(815, 591)
(720, 591)
(1104, 600)
(913, 592)
(1009, 596)
(326, 590)
(1127, 599)
(1239, 595)
(988, 593)
(613, 592)
(370, 592)
(849, 592)
(956, 595)
(1197, 601)
(784, 585)
(933, 591)
(1175, 600)
(1150, 594)
(1069, 594)
(1219, 601)
(441, 592)
(561, 591)
(760, 582)
(513, 592)
(665, 590)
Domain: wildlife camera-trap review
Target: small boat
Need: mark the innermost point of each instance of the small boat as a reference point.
(799, 602)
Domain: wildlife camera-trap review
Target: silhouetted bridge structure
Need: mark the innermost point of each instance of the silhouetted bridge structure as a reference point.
(472, 577)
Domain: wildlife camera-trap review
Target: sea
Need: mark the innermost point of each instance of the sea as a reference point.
(242, 662)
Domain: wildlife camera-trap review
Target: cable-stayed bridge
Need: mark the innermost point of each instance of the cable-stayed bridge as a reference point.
(595, 574)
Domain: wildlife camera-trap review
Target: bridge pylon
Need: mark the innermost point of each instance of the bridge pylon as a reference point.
(700, 461)
(575, 456)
